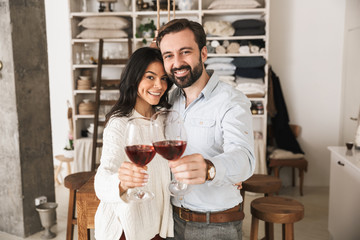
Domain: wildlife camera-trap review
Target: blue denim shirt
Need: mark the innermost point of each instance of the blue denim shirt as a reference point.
(218, 126)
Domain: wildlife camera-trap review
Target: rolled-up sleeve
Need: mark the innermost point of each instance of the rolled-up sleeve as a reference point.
(237, 162)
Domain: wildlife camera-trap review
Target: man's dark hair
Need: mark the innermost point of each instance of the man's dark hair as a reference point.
(178, 25)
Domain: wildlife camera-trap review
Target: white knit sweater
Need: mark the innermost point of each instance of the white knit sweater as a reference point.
(139, 221)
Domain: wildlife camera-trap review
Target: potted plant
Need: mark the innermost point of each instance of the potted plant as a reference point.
(146, 30)
(69, 148)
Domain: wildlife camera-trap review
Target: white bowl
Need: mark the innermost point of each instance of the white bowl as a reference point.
(85, 77)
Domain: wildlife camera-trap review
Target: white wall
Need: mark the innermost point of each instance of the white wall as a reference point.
(306, 42)
(58, 38)
(306, 52)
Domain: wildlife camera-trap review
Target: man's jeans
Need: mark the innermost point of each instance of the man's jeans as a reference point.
(203, 231)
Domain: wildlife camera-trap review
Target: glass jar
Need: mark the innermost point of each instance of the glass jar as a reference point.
(86, 54)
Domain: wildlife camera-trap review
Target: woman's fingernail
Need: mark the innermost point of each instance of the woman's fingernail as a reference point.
(143, 171)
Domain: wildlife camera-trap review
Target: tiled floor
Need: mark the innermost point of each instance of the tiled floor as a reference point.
(312, 227)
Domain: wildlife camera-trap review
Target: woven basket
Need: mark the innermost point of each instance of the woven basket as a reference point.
(86, 108)
(84, 84)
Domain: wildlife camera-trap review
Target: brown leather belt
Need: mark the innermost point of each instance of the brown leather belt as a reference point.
(229, 215)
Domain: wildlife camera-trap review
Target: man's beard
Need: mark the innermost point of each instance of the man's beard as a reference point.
(188, 80)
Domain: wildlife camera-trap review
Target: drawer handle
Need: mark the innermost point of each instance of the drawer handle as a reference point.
(340, 163)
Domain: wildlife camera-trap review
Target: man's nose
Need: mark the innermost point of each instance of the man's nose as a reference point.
(178, 61)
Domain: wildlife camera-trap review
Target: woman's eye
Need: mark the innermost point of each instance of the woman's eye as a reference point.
(150, 77)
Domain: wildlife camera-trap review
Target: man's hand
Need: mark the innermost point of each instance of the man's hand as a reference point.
(190, 169)
(131, 176)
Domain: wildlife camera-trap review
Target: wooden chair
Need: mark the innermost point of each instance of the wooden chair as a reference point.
(276, 210)
(267, 185)
(300, 163)
(62, 160)
(74, 182)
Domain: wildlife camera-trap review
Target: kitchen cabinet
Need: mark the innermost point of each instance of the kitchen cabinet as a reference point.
(344, 195)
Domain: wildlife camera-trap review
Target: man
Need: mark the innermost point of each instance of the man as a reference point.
(219, 151)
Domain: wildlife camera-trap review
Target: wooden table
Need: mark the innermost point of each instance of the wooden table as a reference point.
(86, 206)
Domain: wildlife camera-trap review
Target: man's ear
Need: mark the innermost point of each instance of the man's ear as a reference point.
(204, 53)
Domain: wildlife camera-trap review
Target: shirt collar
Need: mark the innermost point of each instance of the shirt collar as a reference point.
(211, 84)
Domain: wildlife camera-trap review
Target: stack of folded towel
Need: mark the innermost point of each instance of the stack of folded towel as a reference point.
(223, 67)
(249, 75)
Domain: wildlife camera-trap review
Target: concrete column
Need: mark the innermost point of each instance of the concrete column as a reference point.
(26, 163)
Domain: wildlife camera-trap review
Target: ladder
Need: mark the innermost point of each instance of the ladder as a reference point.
(98, 102)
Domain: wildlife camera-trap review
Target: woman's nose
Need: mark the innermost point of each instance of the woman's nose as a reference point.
(157, 84)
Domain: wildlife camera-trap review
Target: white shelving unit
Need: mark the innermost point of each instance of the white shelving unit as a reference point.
(199, 13)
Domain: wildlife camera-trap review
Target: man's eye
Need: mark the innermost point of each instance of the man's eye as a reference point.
(167, 56)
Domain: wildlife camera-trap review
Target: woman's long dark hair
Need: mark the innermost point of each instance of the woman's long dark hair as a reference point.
(130, 79)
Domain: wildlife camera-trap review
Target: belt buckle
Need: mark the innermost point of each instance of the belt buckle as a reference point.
(180, 213)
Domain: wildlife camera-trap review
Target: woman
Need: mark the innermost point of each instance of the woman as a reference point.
(143, 89)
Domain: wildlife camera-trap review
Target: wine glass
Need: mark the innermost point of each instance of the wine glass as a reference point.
(139, 149)
(169, 140)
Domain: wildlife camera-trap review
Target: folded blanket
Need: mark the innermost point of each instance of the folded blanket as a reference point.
(249, 62)
(250, 72)
(249, 31)
(228, 79)
(240, 80)
(219, 60)
(284, 154)
(221, 66)
(251, 88)
(248, 23)
(224, 72)
(233, 4)
(218, 28)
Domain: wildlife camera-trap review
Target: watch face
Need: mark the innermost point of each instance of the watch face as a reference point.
(212, 172)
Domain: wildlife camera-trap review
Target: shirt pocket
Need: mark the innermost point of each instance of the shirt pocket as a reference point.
(204, 130)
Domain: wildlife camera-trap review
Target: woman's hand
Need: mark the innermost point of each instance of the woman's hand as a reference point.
(238, 185)
(131, 176)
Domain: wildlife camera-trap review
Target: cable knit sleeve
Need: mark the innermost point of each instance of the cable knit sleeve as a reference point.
(113, 154)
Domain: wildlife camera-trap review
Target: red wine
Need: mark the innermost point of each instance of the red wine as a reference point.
(170, 150)
(140, 154)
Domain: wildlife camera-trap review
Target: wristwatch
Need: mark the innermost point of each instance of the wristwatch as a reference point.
(210, 170)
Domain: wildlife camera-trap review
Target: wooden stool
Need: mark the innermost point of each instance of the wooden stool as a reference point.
(62, 159)
(266, 184)
(74, 182)
(276, 210)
